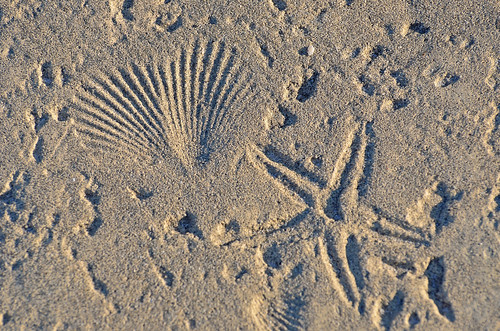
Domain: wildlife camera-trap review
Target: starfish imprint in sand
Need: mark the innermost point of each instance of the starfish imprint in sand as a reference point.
(335, 206)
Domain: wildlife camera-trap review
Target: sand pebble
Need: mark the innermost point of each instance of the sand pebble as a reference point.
(310, 50)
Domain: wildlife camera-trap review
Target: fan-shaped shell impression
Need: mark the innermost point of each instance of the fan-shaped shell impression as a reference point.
(186, 106)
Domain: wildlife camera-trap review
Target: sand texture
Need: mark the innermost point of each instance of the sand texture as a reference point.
(249, 165)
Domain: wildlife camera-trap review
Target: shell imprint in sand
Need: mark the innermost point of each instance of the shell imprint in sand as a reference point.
(186, 106)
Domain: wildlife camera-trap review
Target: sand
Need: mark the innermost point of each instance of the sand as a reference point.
(249, 165)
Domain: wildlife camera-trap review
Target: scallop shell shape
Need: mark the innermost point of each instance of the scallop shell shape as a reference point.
(187, 106)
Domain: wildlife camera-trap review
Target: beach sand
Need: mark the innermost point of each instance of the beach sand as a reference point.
(249, 165)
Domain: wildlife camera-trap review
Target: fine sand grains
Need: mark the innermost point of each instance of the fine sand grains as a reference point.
(249, 165)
